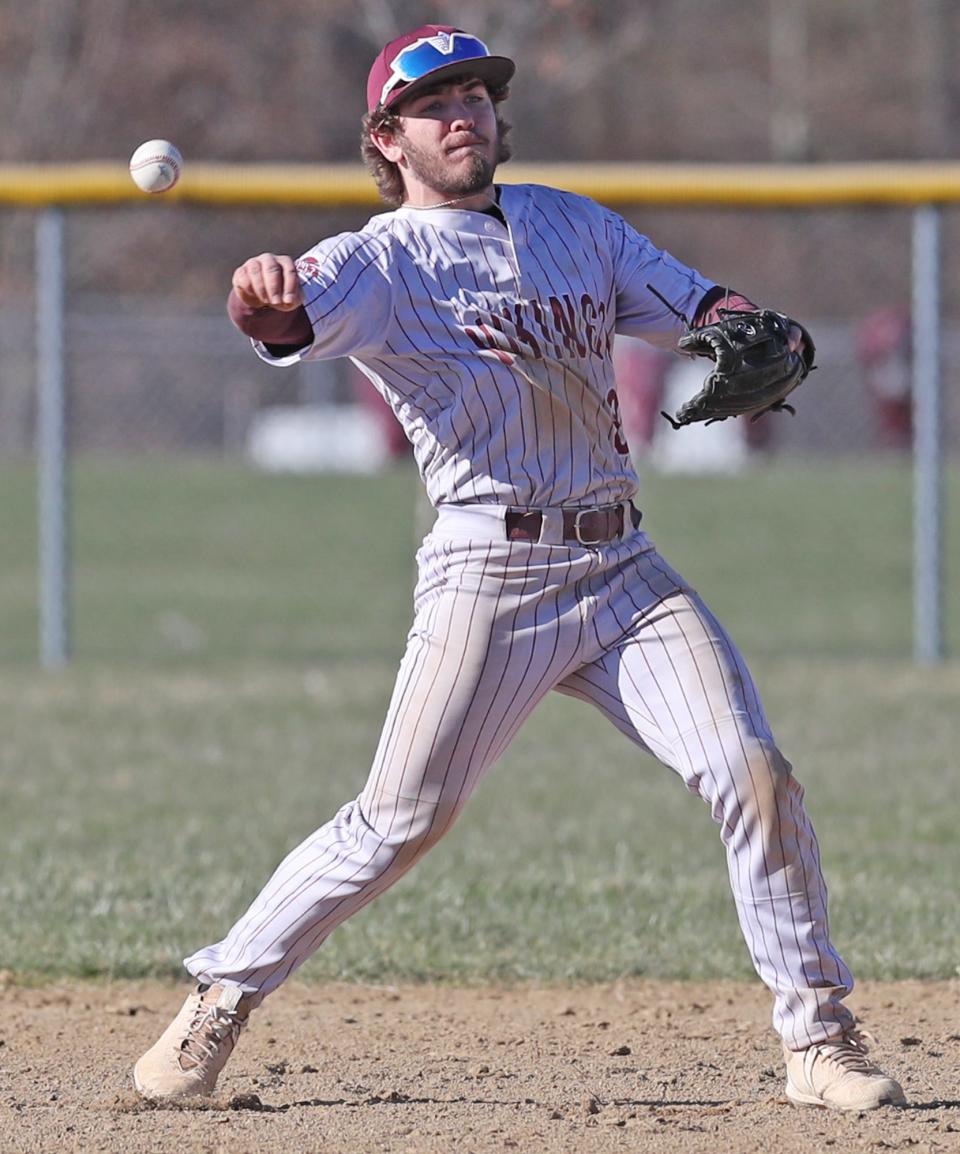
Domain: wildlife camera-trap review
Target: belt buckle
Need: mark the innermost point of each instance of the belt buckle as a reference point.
(519, 532)
(576, 527)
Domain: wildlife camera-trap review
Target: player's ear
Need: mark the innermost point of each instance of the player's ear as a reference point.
(388, 145)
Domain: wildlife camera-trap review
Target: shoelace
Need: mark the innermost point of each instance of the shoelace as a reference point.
(210, 1027)
(850, 1052)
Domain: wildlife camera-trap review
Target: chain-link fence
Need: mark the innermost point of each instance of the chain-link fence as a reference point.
(151, 370)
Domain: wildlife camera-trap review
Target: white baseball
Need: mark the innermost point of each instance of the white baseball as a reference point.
(156, 166)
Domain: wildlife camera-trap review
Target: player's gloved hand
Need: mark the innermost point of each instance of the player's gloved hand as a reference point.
(760, 357)
(268, 281)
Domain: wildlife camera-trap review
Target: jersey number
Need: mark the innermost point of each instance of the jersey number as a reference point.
(619, 440)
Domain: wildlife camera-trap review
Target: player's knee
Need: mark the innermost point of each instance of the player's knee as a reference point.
(408, 826)
(765, 780)
(765, 759)
(749, 780)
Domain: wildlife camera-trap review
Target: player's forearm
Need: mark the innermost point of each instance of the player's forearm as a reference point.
(290, 328)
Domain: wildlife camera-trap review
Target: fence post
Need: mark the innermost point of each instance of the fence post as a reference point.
(928, 644)
(53, 502)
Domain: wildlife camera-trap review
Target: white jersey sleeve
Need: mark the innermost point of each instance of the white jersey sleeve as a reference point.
(348, 296)
(640, 267)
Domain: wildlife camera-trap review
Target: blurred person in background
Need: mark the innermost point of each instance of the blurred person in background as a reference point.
(884, 349)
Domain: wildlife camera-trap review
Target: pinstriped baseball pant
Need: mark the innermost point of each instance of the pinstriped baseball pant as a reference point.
(497, 624)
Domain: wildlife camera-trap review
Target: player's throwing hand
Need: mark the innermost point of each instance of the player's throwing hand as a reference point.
(268, 281)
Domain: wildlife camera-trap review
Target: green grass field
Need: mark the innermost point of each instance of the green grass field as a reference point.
(236, 638)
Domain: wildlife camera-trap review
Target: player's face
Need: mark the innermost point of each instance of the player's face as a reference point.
(449, 140)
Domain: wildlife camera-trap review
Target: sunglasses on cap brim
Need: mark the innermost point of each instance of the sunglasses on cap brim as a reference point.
(425, 56)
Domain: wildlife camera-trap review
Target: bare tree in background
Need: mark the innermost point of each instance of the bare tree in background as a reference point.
(934, 47)
(789, 23)
(631, 80)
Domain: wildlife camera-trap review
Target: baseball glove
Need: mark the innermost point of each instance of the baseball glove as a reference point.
(754, 369)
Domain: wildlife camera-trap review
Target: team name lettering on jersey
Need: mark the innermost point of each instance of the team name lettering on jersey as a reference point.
(565, 330)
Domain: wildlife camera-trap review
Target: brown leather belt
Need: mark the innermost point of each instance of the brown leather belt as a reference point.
(588, 526)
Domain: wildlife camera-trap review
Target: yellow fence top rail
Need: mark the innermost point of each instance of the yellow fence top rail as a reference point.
(338, 185)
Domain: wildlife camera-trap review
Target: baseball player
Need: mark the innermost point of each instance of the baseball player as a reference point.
(485, 314)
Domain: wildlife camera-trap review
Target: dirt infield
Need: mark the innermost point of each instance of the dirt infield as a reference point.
(632, 1067)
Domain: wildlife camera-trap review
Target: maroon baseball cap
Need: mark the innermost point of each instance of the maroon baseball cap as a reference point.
(427, 55)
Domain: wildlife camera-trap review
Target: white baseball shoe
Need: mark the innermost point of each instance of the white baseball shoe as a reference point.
(838, 1074)
(189, 1055)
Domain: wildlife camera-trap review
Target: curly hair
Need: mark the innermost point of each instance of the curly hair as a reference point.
(385, 173)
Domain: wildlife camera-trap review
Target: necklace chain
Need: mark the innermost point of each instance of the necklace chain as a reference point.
(447, 203)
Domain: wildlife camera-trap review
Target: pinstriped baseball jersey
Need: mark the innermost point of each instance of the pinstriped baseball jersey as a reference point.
(497, 339)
